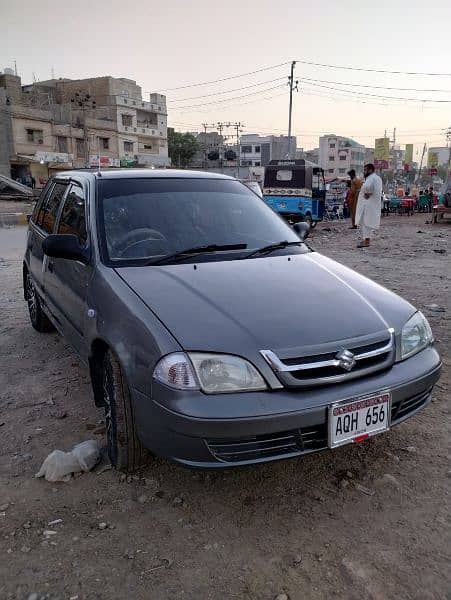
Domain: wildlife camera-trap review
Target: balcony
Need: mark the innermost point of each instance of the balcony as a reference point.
(141, 104)
(139, 130)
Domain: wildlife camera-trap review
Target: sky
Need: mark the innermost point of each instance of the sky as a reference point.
(166, 45)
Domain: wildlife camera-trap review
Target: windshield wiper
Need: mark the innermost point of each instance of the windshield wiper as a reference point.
(272, 247)
(189, 252)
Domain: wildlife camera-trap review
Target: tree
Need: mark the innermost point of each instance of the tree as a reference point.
(230, 155)
(181, 148)
(213, 155)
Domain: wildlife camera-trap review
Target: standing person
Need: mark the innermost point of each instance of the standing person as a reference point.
(356, 184)
(33, 182)
(431, 198)
(368, 214)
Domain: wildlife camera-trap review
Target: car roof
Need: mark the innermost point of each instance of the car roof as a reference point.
(139, 174)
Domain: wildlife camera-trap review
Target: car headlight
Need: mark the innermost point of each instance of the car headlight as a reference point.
(212, 373)
(415, 336)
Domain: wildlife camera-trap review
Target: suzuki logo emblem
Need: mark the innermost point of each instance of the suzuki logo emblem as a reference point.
(346, 359)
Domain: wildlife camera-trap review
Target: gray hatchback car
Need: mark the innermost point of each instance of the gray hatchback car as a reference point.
(214, 335)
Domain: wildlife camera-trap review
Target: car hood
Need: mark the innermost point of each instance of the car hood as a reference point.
(265, 303)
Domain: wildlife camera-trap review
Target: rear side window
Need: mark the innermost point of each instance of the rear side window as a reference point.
(49, 208)
(73, 219)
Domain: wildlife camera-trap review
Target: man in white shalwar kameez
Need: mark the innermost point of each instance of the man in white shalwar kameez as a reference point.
(368, 214)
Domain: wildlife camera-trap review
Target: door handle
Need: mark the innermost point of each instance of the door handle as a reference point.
(50, 266)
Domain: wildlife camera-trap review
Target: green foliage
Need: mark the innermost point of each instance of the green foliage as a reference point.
(181, 148)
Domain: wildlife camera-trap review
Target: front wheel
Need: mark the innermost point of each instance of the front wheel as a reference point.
(125, 451)
(38, 318)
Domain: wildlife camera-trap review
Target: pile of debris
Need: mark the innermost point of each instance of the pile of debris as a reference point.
(13, 190)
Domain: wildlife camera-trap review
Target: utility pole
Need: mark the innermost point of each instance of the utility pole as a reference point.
(421, 163)
(206, 126)
(236, 126)
(448, 143)
(85, 102)
(394, 151)
(220, 126)
(293, 86)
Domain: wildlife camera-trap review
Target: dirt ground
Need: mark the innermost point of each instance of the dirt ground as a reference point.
(326, 526)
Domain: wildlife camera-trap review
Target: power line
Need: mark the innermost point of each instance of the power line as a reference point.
(183, 87)
(229, 99)
(229, 91)
(377, 95)
(380, 87)
(307, 62)
(236, 103)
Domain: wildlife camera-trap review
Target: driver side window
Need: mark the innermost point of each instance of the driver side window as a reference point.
(73, 215)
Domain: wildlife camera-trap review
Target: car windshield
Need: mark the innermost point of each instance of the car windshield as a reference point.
(145, 219)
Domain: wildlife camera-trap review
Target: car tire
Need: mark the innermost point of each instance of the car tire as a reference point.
(125, 451)
(38, 318)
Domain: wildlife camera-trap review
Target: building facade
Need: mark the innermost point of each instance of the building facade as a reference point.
(310, 155)
(438, 157)
(337, 155)
(62, 123)
(258, 151)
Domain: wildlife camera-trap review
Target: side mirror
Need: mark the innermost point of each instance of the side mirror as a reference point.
(65, 246)
(302, 229)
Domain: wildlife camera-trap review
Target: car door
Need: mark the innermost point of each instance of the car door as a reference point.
(66, 281)
(42, 223)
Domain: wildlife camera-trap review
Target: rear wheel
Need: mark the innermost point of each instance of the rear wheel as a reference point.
(38, 318)
(125, 451)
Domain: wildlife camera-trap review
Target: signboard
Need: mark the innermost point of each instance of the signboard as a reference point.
(408, 157)
(54, 157)
(381, 164)
(105, 161)
(382, 149)
(432, 159)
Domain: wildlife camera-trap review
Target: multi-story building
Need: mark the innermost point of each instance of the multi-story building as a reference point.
(64, 123)
(257, 150)
(337, 155)
(310, 155)
(210, 142)
(438, 156)
(369, 156)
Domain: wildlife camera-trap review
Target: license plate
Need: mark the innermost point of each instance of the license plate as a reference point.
(359, 419)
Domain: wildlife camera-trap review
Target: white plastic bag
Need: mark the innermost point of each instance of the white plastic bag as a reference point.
(59, 465)
(87, 454)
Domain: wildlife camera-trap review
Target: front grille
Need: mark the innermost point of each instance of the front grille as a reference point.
(296, 441)
(273, 445)
(325, 366)
(402, 409)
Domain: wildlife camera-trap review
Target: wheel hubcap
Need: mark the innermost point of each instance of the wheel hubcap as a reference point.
(31, 299)
(108, 411)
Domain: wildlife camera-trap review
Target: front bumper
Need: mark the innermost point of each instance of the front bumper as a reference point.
(221, 431)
